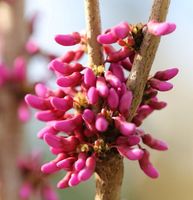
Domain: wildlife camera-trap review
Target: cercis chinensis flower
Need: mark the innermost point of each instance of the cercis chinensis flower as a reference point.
(86, 117)
(34, 182)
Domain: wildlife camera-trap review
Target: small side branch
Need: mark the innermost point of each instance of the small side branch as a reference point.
(144, 59)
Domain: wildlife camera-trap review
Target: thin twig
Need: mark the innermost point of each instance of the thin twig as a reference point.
(144, 59)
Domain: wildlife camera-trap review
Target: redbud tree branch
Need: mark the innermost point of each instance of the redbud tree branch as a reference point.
(144, 59)
(10, 128)
(93, 29)
(109, 172)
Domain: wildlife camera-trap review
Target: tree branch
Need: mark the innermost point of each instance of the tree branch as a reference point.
(109, 176)
(144, 59)
(109, 172)
(93, 29)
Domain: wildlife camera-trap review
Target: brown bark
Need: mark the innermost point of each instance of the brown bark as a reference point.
(144, 59)
(10, 139)
(109, 175)
(13, 38)
(93, 29)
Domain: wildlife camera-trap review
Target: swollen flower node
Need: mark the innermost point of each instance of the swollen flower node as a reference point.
(86, 117)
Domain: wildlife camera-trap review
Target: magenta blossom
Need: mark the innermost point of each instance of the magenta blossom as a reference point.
(34, 182)
(86, 117)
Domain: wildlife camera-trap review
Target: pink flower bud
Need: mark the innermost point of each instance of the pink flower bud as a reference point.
(47, 130)
(130, 140)
(41, 90)
(92, 95)
(160, 85)
(113, 99)
(48, 115)
(58, 66)
(51, 167)
(70, 81)
(64, 182)
(65, 68)
(121, 31)
(159, 29)
(87, 172)
(117, 71)
(133, 140)
(157, 105)
(68, 125)
(117, 56)
(89, 77)
(36, 102)
(122, 90)
(67, 163)
(107, 38)
(147, 167)
(49, 193)
(125, 103)
(23, 112)
(74, 180)
(112, 79)
(130, 153)
(78, 54)
(68, 57)
(63, 104)
(166, 74)
(108, 49)
(80, 163)
(26, 190)
(101, 123)
(126, 64)
(126, 128)
(88, 116)
(68, 40)
(154, 143)
(102, 87)
(144, 111)
(53, 141)
(19, 69)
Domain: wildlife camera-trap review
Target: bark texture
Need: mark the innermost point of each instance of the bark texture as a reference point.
(13, 37)
(109, 175)
(144, 59)
(93, 29)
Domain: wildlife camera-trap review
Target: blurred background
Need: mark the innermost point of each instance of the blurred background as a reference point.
(173, 124)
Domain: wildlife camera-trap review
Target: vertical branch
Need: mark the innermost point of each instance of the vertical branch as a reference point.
(144, 59)
(10, 128)
(109, 176)
(109, 172)
(93, 29)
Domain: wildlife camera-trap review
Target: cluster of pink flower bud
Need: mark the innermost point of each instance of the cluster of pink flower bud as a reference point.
(15, 80)
(87, 116)
(34, 182)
